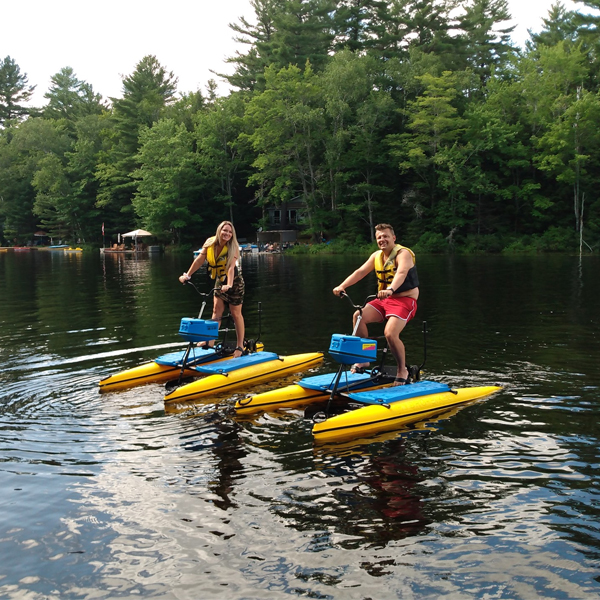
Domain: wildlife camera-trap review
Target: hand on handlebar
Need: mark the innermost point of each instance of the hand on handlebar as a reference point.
(383, 294)
(339, 291)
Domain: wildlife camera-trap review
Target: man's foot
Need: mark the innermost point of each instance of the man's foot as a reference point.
(238, 352)
(358, 367)
(402, 377)
(204, 345)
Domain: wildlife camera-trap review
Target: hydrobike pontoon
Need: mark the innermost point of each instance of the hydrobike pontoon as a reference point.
(368, 402)
(213, 364)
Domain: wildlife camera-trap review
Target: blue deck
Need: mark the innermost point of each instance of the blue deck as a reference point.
(196, 357)
(227, 366)
(324, 383)
(400, 392)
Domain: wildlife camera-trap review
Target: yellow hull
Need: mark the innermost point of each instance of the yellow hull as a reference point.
(151, 372)
(373, 419)
(244, 377)
(147, 373)
(292, 396)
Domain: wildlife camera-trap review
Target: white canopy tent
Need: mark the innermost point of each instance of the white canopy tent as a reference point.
(135, 234)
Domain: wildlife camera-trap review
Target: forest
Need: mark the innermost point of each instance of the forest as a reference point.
(420, 113)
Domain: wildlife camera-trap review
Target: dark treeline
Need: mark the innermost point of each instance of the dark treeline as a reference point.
(421, 113)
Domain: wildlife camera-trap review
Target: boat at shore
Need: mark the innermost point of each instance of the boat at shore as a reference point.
(122, 251)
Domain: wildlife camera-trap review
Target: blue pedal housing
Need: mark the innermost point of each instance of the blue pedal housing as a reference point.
(198, 330)
(349, 349)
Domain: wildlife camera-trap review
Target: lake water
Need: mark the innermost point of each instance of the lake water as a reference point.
(114, 496)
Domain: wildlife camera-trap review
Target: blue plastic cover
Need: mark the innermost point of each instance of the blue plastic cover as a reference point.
(222, 368)
(198, 330)
(348, 349)
(399, 392)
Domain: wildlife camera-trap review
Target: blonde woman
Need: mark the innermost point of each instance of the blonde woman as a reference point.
(222, 253)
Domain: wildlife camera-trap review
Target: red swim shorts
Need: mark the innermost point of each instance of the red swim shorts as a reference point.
(402, 307)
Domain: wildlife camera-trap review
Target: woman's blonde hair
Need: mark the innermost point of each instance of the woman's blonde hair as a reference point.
(233, 249)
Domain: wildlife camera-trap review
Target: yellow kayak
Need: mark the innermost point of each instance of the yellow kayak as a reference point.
(385, 414)
(164, 368)
(230, 376)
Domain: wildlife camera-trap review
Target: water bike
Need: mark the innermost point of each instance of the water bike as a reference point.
(182, 365)
(368, 402)
(252, 368)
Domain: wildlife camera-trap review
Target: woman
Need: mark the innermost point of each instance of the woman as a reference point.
(222, 253)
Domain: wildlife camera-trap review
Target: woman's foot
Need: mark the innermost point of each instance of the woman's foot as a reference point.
(238, 352)
(358, 367)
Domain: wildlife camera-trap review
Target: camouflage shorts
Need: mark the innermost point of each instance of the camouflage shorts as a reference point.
(235, 295)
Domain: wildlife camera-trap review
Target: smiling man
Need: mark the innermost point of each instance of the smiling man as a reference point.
(397, 294)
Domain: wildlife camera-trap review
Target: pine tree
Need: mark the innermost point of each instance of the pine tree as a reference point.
(70, 98)
(14, 92)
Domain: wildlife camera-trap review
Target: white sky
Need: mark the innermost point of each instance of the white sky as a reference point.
(103, 41)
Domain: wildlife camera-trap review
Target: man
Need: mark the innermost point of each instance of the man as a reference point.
(397, 294)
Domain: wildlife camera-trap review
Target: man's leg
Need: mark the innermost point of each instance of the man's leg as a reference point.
(369, 315)
(392, 331)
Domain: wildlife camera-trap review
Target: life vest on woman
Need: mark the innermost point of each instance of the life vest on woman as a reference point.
(386, 269)
(217, 265)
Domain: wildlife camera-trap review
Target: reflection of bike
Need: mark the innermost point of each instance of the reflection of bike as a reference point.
(368, 401)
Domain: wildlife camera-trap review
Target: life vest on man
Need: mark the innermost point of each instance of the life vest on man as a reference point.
(217, 265)
(386, 269)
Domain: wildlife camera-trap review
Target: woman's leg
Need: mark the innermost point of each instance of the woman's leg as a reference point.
(240, 327)
(217, 313)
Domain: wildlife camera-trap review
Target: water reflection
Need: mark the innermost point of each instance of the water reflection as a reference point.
(114, 496)
(385, 493)
(227, 450)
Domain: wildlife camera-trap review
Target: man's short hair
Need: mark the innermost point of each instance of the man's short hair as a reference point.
(383, 226)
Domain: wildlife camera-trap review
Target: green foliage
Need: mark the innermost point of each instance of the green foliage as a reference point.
(556, 239)
(166, 180)
(431, 243)
(14, 92)
(415, 112)
(70, 98)
(36, 151)
(146, 94)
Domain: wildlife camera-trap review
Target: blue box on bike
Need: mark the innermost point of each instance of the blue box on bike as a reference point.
(198, 330)
(348, 349)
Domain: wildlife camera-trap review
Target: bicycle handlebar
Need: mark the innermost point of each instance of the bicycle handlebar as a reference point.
(357, 306)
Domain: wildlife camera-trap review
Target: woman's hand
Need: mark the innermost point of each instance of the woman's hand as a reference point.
(184, 278)
(225, 288)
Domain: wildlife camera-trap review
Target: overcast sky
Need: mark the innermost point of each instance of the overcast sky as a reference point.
(103, 41)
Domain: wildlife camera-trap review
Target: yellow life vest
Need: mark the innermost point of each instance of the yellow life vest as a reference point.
(386, 269)
(217, 265)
